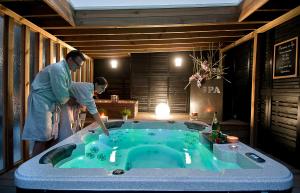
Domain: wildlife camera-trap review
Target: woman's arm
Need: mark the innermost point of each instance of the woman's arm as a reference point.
(97, 118)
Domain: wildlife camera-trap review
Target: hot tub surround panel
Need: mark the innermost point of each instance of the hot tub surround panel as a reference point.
(268, 176)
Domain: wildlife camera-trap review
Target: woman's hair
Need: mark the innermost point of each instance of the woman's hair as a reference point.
(75, 53)
(101, 81)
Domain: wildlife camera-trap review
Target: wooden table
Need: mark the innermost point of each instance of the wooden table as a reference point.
(113, 108)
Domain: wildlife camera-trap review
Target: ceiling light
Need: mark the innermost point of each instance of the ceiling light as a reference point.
(178, 62)
(114, 63)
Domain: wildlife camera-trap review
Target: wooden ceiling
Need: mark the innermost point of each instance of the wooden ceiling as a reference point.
(118, 33)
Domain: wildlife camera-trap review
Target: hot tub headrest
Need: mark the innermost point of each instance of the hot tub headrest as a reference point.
(57, 154)
(195, 126)
(114, 124)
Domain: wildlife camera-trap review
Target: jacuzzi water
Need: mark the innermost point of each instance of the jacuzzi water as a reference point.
(127, 148)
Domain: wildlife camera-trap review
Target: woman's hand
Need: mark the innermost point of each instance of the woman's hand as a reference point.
(101, 124)
(105, 131)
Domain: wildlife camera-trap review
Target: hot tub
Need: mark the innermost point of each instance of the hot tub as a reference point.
(150, 156)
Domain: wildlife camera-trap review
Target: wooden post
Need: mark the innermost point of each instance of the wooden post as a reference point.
(92, 70)
(64, 52)
(8, 64)
(254, 92)
(83, 72)
(25, 84)
(298, 133)
(51, 54)
(88, 69)
(78, 75)
(39, 53)
(58, 52)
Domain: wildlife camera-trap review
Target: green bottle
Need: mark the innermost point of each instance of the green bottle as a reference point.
(215, 127)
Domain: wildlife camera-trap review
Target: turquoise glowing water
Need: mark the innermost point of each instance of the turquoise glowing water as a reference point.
(145, 148)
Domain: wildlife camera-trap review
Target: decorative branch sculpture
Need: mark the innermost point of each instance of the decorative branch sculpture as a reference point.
(205, 68)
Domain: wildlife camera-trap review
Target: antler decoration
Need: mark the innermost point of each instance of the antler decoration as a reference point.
(205, 68)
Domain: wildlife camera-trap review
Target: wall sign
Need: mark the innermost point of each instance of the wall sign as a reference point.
(285, 59)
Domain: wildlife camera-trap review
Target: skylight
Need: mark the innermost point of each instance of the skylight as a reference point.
(148, 4)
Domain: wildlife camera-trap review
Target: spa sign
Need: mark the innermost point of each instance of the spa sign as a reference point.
(285, 59)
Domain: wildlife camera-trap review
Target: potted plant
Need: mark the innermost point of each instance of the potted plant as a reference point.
(125, 113)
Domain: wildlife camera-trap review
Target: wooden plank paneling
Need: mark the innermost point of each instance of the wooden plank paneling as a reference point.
(156, 81)
(281, 122)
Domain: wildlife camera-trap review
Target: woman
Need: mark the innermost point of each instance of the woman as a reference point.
(83, 93)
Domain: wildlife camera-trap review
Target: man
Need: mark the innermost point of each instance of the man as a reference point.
(83, 93)
(49, 90)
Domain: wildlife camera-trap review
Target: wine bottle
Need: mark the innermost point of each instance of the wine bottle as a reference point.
(215, 125)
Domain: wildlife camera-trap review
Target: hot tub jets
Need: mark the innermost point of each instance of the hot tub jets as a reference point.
(118, 172)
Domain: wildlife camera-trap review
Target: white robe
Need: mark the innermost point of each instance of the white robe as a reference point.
(83, 93)
(50, 87)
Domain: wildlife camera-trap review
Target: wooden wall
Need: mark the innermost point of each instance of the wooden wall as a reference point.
(118, 79)
(155, 79)
(26, 49)
(279, 100)
(237, 94)
(278, 112)
(149, 78)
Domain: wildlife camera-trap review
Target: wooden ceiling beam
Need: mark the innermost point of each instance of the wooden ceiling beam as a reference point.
(39, 16)
(153, 36)
(111, 56)
(158, 30)
(248, 7)
(272, 10)
(154, 26)
(147, 50)
(152, 42)
(63, 8)
(144, 17)
(32, 26)
(156, 12)
(103, 48)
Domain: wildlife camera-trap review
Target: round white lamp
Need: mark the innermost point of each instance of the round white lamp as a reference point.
(162, 111)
